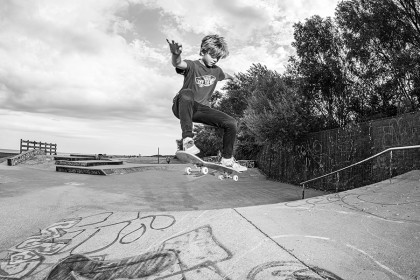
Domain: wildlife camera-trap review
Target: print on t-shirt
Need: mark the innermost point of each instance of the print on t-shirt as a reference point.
(205, 81)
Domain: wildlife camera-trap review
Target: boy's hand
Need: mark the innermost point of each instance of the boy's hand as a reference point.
(232, 78)
(174, 47)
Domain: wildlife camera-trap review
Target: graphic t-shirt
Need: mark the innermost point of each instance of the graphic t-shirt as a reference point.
(201, 80)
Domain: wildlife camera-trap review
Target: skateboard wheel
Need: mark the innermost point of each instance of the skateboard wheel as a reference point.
(188, 170)
(235, 178)
(204, 170)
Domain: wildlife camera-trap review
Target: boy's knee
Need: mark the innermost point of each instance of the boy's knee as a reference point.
(232, 124)
(186, 95)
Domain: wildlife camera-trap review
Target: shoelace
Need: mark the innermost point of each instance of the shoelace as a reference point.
(189, 143)
(231, 162)
(235, 161)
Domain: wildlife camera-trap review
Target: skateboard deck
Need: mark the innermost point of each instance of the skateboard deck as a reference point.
(205, 166)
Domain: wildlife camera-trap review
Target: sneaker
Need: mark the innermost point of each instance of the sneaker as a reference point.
(189, 147)
(232, 163)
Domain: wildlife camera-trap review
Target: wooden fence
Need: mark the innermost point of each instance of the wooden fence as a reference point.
(49, 148)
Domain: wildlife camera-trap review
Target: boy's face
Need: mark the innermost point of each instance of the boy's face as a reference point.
(209, 60)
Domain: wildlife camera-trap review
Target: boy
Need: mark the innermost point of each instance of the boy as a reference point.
(192, 103)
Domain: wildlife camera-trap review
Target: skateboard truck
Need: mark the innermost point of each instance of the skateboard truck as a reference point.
(226, 175)
(203, 170)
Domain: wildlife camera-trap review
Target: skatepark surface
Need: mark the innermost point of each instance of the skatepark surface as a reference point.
(163, 224)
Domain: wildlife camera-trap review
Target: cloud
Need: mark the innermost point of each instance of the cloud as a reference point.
(257, 31)
(96, 59)
(98, 69)
(66, 59)
(233, 18)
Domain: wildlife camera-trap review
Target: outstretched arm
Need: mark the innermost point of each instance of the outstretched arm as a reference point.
(176, 50)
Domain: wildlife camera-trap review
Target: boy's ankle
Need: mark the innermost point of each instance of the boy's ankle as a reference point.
(189, 146)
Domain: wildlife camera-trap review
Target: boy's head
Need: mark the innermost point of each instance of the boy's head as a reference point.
(215, 46)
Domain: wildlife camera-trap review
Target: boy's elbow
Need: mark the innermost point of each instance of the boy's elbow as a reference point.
(179, 64)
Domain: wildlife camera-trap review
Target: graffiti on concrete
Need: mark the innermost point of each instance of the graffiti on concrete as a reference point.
(193, 253)
(112, 246)
(19, 264)
(24, 157)
(73, 169)
(25, 257)
(289, 270)
(77, 266)
(85, 248)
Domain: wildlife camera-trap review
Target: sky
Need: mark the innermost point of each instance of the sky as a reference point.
(96, 76)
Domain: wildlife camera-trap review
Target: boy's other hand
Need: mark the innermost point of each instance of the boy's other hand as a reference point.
(235, 80)
(174, 47)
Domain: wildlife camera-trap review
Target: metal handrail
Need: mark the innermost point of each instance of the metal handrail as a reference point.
(357, 163)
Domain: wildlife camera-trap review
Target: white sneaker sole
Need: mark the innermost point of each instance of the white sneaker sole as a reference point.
(192, 151)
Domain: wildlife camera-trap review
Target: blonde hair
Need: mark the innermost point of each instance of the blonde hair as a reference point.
(214, 45)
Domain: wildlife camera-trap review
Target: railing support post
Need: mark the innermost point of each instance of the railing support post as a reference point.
(390, 166)
(303, 191)
(338, 181)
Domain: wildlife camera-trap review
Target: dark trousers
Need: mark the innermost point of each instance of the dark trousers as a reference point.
(189, 111)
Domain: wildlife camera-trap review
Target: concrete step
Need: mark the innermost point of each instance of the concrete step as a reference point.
(87, 163)
(73, 158)
(110, 169)
(90, 156)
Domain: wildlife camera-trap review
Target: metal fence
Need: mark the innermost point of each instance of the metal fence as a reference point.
(381, 166)
(326, 151)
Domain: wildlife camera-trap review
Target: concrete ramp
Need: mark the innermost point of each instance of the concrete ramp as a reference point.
(366, 233)
(216, 244)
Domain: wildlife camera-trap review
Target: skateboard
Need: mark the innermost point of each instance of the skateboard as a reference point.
(205, 166)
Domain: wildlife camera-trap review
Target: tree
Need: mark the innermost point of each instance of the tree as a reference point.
(274, 114)
(320, 67)
(382, 37)
(208, 139)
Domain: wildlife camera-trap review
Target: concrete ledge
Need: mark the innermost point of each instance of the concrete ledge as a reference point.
(79, 170)
(87, 163)
(132, 169)
(89, 156)
(72, 158)
(109, 169)
(24, 157)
